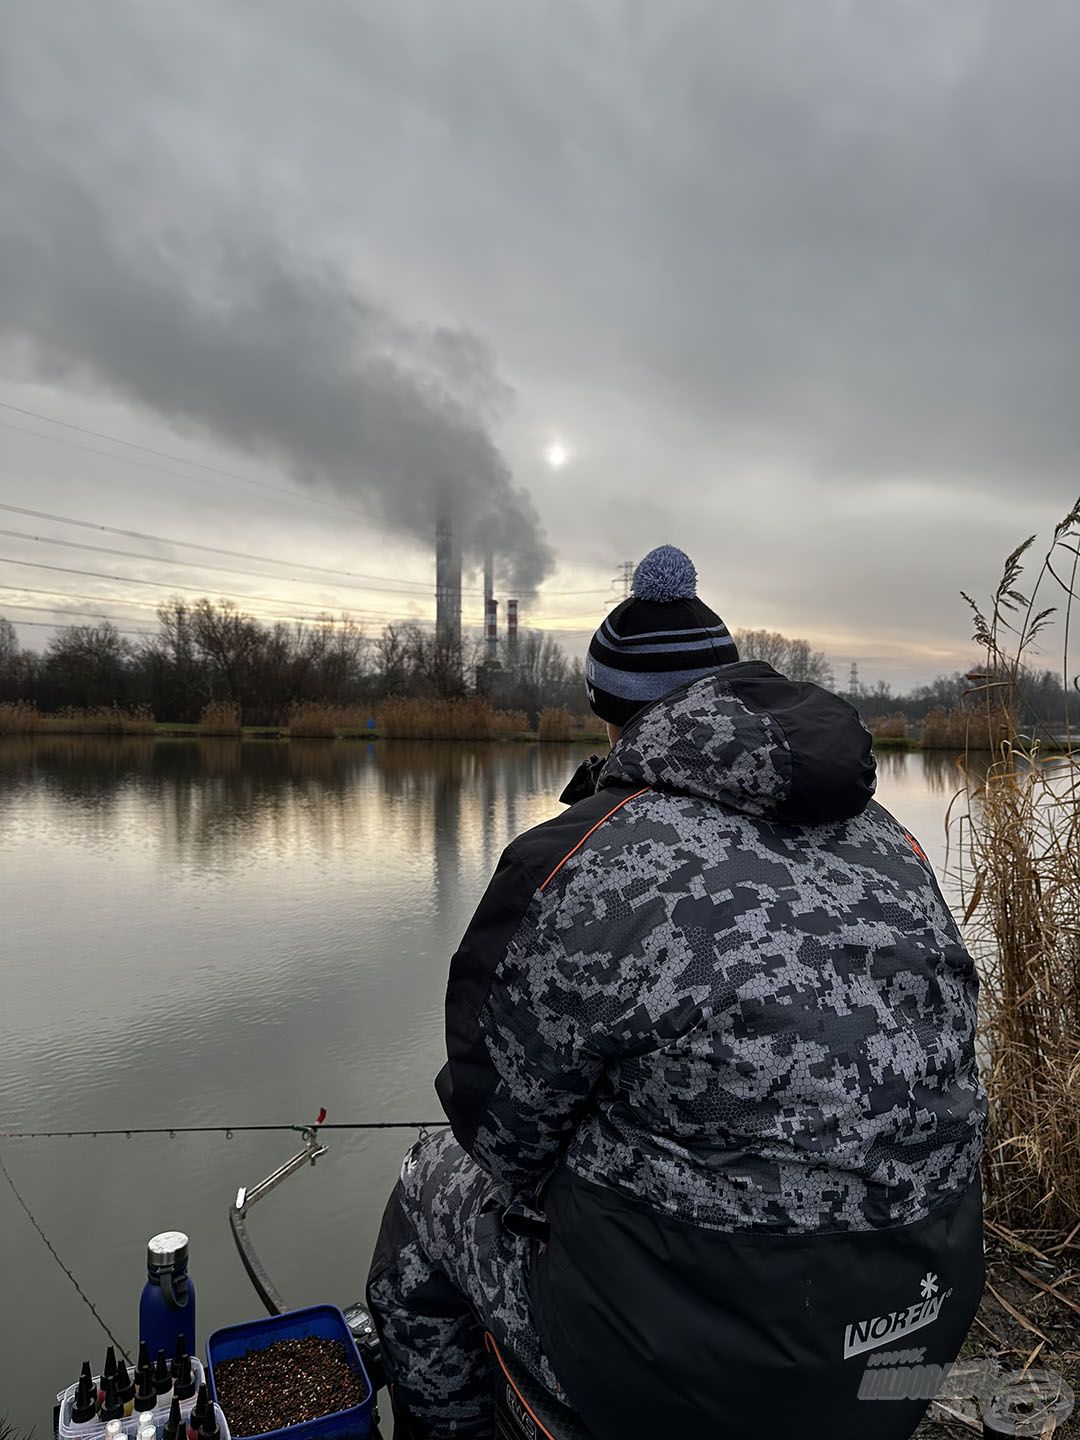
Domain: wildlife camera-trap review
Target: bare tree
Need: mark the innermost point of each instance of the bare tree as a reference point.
(793, 658)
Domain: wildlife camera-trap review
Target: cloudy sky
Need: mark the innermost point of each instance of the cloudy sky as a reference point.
(795, 286)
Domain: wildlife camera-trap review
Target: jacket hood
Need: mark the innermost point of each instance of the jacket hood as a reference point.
(754, 741)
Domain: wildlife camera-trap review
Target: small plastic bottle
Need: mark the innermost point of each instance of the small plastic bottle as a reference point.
(145, 1395)
(197, 1412)
(125, 1388)
(84, 1407)
(109, 1369)
(162, 1378)
(184, 1382)
(112, 1407)
(174, 1428)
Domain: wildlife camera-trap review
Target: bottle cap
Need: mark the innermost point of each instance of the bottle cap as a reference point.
(167, 1250)
(110, 1363)
(184, 1383)
(197, 1409)
(144, 1356)
(147, 1432)
(125, 1383)
(114, 1430)
(112, 1407)
(162, 1375)
(179, 1354)
(84, 1406)
(145, 1394)
(175, 1423)
(208, 1426)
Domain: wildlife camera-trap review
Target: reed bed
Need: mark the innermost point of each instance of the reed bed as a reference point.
(474, 719)
(20, 718)
(316, 720)
(969, 727)
(889, 727)
(100, 720)
(220, 717)
(1020, 850)
(555, 725)
(510, 724)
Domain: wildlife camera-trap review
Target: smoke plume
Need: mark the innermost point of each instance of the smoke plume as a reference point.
(226, 326)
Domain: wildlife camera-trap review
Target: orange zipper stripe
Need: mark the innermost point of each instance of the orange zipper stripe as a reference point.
(596, 827)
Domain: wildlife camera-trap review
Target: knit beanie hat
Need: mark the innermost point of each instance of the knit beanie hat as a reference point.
(661, 638)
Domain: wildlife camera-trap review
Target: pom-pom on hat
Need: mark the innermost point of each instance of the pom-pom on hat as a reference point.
(660, 639)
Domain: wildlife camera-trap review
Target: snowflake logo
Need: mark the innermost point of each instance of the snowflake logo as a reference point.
(928, 1285)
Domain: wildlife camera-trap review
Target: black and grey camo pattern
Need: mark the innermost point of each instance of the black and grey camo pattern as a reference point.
(749, 1025)
(706, 742)
(445, 1270)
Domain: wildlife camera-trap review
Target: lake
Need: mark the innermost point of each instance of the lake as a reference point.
(228, 933)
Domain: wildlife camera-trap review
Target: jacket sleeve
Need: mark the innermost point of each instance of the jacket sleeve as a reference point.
(520, 1069)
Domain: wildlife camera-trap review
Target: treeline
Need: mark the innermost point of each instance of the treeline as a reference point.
(1039, 697)
(211, 651)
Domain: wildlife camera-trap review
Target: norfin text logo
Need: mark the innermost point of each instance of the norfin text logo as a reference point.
(863, 1335)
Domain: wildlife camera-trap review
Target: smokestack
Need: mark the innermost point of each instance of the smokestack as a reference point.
(447, 585)
(491, 612)
(512, 628)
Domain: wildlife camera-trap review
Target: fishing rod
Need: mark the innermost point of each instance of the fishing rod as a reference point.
(227, 1130)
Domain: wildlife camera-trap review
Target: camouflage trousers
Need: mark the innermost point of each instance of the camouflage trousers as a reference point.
(446, 1269)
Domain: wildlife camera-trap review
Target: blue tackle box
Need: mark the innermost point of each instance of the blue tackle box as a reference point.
(325, 1322)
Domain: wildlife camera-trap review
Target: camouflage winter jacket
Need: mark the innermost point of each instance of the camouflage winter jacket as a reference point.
(718, 1017)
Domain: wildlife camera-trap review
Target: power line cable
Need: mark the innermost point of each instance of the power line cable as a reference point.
(56, 625)
(165, 455)
(172, 586)
(216, 550)
(421, 585)
(293, 496)
(255, 614)
(144, 605)
(167, 560)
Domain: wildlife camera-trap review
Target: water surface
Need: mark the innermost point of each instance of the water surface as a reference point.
(216, 932)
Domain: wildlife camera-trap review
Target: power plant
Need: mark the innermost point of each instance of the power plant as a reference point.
(448, 601)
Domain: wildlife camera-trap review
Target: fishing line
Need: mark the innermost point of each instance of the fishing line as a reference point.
(49, 1246)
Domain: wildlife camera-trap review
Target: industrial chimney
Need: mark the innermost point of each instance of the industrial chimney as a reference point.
(447, 585)
(512, 629)
(491, 613)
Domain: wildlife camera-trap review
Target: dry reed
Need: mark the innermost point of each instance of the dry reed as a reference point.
(555, 725)
(474, 719)
(1021, 839)
(317, 720)
(17, 717)
(20, 718)
(968, 727)
(220, 717)
(889, 727)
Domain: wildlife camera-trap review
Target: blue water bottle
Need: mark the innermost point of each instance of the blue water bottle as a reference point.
(167, 1306)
